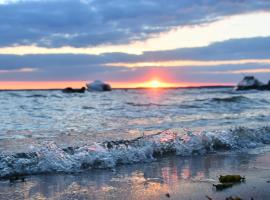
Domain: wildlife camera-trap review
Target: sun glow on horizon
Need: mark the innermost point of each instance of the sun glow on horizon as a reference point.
(155, 84)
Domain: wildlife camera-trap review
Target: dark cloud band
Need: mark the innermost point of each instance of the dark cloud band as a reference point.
(84, 23)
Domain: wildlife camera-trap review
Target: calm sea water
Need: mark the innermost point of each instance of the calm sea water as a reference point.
(203, 119)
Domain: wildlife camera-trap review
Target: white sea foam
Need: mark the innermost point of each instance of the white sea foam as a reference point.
(52, 159)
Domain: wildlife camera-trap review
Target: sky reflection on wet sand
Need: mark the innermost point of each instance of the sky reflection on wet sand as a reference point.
(181, 177)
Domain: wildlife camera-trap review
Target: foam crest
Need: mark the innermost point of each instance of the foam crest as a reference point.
(52, 159)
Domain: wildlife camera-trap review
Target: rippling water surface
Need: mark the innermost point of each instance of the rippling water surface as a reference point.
(96, 116)
(199, 120)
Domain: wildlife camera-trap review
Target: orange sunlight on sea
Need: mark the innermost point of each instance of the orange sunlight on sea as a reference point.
(17, 85)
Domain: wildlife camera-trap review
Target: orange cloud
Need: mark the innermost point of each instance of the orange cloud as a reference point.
(15, 85)
(186, 63)
(242, 71)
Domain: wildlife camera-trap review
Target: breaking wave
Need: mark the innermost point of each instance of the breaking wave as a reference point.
(14, 94)
(88, 108)
(37, 96)
(52, 159)
(233, 99)
(144, 104)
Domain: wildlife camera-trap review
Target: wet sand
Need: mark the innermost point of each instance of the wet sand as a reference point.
(189, 178)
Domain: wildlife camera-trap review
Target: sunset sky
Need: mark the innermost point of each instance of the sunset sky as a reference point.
(60, 43)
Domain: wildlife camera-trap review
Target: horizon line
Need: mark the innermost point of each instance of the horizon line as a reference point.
(129, 88)
(58, 85)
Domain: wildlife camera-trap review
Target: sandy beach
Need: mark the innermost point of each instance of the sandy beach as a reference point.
(174, 177)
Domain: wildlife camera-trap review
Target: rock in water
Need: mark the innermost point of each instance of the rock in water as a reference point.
(251, 83)
(98, 86)
(71, 90)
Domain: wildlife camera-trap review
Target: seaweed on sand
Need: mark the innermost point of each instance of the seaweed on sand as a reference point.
(228, 181)
(231, 179)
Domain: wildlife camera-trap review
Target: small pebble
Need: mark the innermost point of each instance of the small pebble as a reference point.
(168, 195)
(209, 198)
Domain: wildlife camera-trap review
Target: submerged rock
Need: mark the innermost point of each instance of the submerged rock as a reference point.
(98, 86)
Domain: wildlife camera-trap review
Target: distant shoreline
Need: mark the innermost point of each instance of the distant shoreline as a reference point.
(135, 88)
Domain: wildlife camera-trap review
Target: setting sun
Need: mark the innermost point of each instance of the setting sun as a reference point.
(155, 84)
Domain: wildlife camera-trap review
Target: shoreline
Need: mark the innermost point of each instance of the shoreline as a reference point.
(181, 177)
